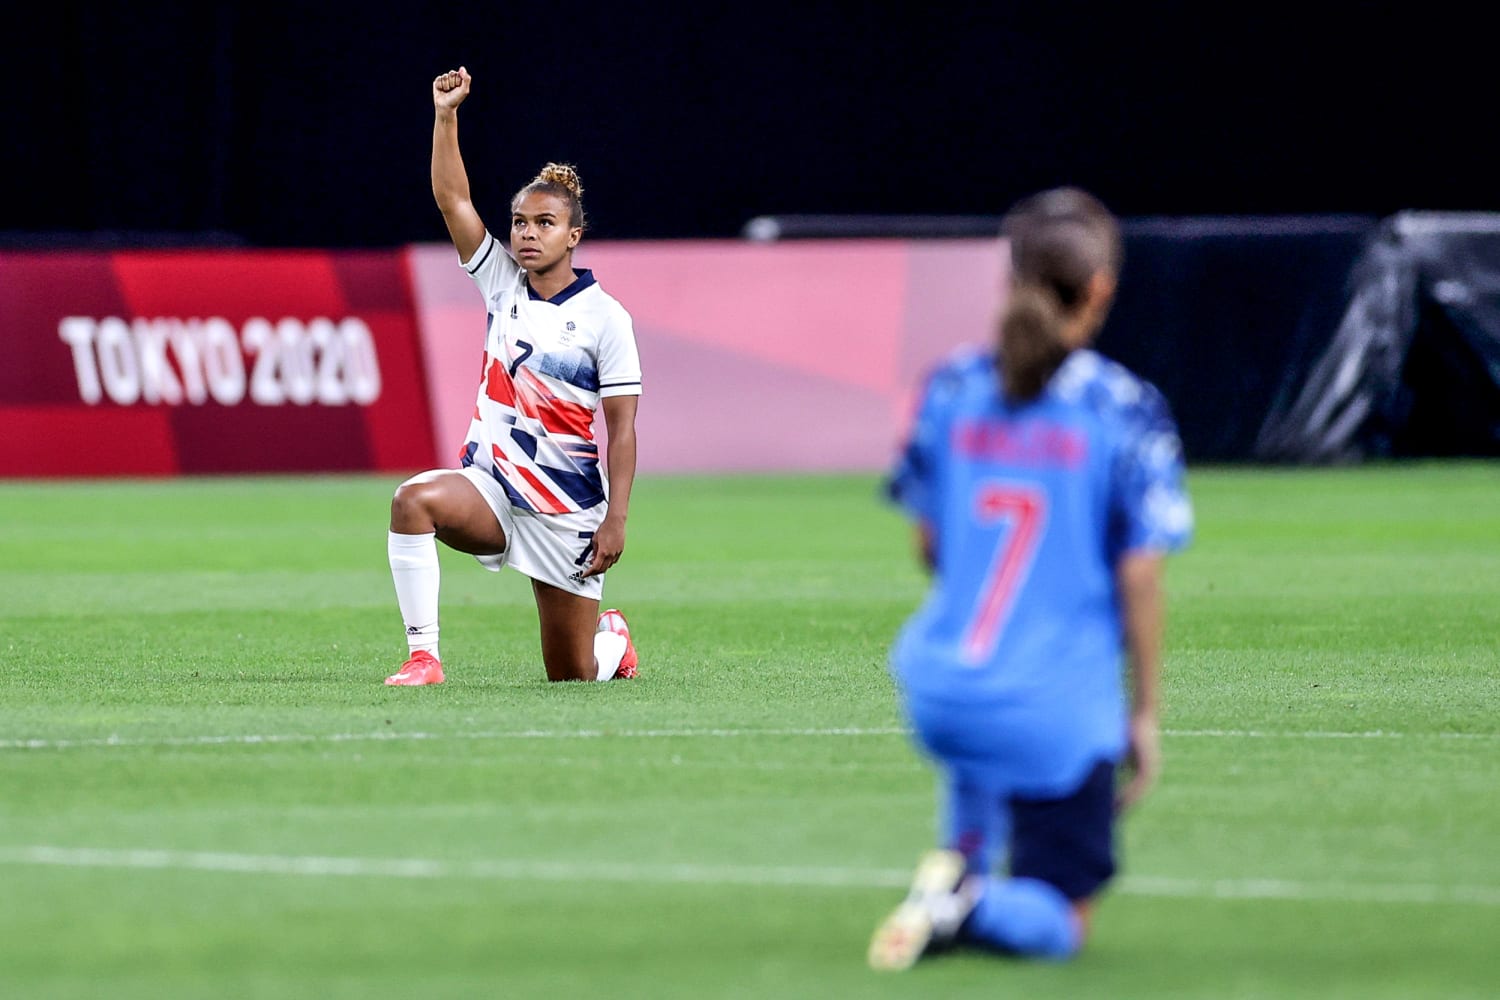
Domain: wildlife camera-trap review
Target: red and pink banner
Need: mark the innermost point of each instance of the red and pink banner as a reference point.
(756, 357)
(157, 363)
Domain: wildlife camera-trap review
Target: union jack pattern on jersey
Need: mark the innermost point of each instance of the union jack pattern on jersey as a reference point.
(547, 363)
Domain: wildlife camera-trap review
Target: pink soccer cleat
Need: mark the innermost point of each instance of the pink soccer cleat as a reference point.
(422, 668)
(613, 621)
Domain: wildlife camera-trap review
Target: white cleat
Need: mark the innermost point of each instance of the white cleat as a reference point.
(940, 899)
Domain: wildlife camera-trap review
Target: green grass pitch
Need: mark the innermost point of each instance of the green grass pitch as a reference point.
(205, 791)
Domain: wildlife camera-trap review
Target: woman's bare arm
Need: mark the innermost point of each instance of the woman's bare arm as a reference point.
(450, 182)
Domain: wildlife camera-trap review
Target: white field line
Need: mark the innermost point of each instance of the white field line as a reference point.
(430, 868)
(1369, 734)
(706, 875)
(259, 739)
(255, 739)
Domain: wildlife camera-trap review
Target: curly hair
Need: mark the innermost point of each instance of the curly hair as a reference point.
(559, 179)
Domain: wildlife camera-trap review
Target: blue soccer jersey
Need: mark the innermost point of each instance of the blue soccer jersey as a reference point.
(1031, 508)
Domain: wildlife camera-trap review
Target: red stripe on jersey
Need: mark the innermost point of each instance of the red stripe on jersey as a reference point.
(525, 483)
(562, 417)
(499, 386)
(549, 502)
(532, 398)
(558, 416)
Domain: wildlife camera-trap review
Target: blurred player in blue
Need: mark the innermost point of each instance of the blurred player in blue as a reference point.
(1047, 486)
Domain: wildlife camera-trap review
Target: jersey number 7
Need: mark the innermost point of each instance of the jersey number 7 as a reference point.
(1025, 510)
(515, 365)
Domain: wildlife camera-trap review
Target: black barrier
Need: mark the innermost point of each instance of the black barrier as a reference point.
(1412, 366)
(1291, 339)
(1216, 311)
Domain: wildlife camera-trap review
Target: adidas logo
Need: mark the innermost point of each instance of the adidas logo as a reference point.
(413, 630)
(513, 312)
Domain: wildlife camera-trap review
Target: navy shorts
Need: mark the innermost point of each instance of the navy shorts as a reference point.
(1069, 842)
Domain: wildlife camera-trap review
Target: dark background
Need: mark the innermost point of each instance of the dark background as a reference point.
(309, 125)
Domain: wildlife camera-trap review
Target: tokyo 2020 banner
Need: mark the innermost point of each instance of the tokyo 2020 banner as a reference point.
(789, 357)
(158, 363)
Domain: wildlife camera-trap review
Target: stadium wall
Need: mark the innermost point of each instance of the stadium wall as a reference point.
(797, 355)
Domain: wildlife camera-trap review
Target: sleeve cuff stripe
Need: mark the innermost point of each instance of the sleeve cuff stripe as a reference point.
(489, 249)
(616, 385)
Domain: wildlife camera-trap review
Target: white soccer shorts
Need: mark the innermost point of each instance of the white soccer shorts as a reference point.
(552, 548)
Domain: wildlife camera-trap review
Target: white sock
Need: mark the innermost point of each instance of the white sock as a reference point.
(414, 568)
(608, 649)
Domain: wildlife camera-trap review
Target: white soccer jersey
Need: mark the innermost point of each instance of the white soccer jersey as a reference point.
(547, 362)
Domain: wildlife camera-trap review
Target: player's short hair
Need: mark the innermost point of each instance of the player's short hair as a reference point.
(560, 179)
(1059, 239)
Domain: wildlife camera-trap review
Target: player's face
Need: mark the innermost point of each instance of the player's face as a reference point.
(540, 236)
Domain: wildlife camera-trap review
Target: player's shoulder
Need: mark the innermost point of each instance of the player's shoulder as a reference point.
(609, 305)
(964, 361)
(965, 368)
(489, 256)
(1089, 379)
(497, 276)
(611, 315)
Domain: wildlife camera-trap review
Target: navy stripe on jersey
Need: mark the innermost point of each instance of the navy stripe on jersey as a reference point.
(584, 279)
(586, 489)
(526, 441)
(616, 385)
(516, 499)
(476, 265)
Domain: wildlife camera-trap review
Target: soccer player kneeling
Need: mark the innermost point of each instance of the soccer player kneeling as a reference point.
(1047, 486)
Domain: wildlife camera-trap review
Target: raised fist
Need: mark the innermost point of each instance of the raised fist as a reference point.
(449, 89)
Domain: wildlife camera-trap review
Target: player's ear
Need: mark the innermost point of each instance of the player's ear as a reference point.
(1101, 287)
(1098, 296)
(574, 235)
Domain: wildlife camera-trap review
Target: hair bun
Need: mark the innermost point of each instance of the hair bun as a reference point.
(563, 174)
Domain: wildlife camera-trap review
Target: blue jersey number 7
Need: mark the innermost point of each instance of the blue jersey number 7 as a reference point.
(525, 353)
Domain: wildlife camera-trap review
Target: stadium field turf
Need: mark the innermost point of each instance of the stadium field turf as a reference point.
(205, 790)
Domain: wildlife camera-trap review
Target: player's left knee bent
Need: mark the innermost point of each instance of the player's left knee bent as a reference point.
(410, 511)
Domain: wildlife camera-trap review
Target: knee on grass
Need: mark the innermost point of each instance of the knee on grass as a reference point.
(1025, 916)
